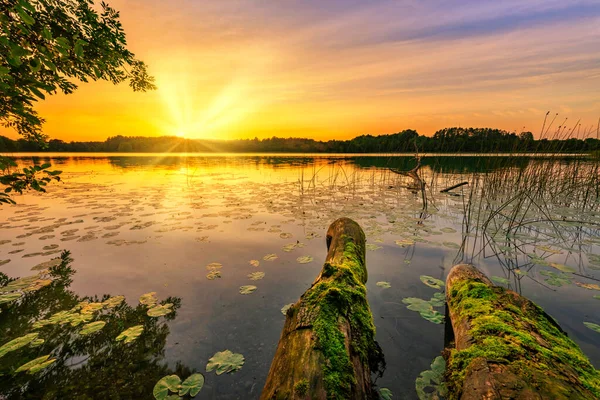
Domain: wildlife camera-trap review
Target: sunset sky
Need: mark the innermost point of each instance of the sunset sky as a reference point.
(336, 69)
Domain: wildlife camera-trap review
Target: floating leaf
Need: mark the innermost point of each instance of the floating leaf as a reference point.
(500, 280)
(432, 379)
(432, 282)
(168, 383)
(285, 308)
(90, 308)
(148, 299)
(285, 235)
(416, 304)
(247, 289)
(405, 242)
(255, 276)
(384, 285)
(112, 302)
(160, 310)
(451, 245)
(192, 385)
(448, 230)
(438, 300)
(47, 264)
(254, 263)
(92, 327)
(8, 297)
(562, 267)
(385, 394)
(372, 247)
(304, 259)
(270, 257)
(36, 365)
(213, 275)
(214, 265)
(592, 326)
(225, 362)
(17, 343)
(597, 297)
(548, 249)
(590, 286)
(433, 316)
(130, 334)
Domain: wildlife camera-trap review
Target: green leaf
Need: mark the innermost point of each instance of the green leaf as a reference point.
(8, 297)
(432, 380)
(28, 19)
(225, 362)
(416, 304)
(384, 285)
(129, 335)
(270, 257)
(113, 301)
(36, 365)
(385, 393)
(78, 48)
(148, 299)
(304, 259)
(247, 289)
(92, 327)
(192, 385)
(168, 383)
(438, 300)
(500, 280)
(160, 310)
(4, 71)
(562, 267)
(432, 282)
(17, 343)
(255, 276)
(592, 326)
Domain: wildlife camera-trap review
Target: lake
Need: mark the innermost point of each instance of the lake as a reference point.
(196, 228)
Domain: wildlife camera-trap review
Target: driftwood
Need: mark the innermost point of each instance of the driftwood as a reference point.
(502, 346)
(327, 348)
(454, 187)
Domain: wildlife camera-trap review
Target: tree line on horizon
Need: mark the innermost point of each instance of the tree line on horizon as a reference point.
(447, 140)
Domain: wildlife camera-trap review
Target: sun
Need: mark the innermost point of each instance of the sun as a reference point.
(180, 134)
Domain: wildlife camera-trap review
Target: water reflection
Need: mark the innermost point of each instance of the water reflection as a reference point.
(86, 366)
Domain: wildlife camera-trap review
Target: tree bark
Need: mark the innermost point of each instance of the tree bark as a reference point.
(327, 348)
(503, 346)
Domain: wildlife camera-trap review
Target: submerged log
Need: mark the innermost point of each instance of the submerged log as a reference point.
(503, 346)
(453, 187)
(327, 347)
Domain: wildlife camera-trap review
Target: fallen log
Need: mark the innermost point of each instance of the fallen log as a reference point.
(327, 348)
(453, 187)
(503, 346)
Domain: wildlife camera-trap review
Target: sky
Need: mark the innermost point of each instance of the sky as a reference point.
(335, 69)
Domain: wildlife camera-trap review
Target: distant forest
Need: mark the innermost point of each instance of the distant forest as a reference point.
(448, 140)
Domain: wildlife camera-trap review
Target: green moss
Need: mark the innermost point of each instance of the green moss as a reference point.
(301, 388)
(341, 294)
(517, 333)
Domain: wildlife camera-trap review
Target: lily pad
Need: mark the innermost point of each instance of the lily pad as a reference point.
(285, 235)
(254, 263)
(192, 385)
(373, 247)
(304, 259)
(160, 310)
(148, 299)
(36, 365)
(168, 383)
(555, 279)
(130, 334)
(113, 301)
(247, 289)
(451, 245)
(285, 308)
(589, 286)
(433, 381)
(270, 257)
(47, 264)
(592, 326)
(405, 242)
(500, 280)
(17, 343)
(438, 299)
(385, 394)
(225, 362)
(384, 285)
(432, 282)
(92, 327)
(562, 267)
(213, 275)
(214, 265)
(448, 230)
(255, 276)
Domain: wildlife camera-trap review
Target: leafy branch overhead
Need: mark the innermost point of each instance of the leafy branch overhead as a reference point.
(44, 43)
(20, 181)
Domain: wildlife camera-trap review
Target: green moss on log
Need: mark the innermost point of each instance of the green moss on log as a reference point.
(512, 331)
(340, 295)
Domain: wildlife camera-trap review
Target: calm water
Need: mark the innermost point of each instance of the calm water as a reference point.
(151, 223)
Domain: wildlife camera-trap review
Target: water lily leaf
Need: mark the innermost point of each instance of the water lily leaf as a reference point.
(384, 285)
(47, 264)
(92, 327)
(130, 334)
(8, 297)
(592, 326)
(433, 381)
(90, 308)
(160, 310)
(597, 297)
(247, 289)
(213, 275)
(562, 267)
(36, 365)
(451, 245)
(225, 362)
(555, 279)
(254, 263)
(448, 230)
(148, 299)
(416, 304)
(17, 343)
(438, 300)
(285, 308)
(213, 266)
(113, 301)
(304, 259)
(405, 242)
(433, 316)
(255, 276)
(285, 235)
(168, 383)
(548, 249)
(270, 257)
(590, 286)
(192, 385)
(373, 247)
(432, 282)
(500, 280)
(385, 394)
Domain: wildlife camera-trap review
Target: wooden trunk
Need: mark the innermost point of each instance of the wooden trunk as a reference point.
(503, 346)
(327, 347)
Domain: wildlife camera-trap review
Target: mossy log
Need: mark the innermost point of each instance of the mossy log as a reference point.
(503, 346)
(327, 348)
